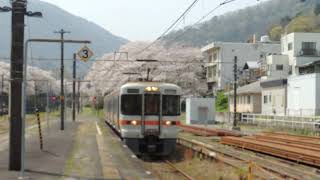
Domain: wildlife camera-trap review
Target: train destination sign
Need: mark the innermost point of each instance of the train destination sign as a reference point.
(85, 53)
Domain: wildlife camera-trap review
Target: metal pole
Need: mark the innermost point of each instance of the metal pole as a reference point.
(16, 94)
(62, 83)
(148, 73)
(74, 88)
(62, 98)
(78, 101)
(1, 95)
(47, 106)
(235, 92)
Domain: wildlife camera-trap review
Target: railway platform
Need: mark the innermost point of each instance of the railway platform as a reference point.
(86, 149)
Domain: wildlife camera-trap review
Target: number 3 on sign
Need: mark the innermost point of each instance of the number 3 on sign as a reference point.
(85, 53)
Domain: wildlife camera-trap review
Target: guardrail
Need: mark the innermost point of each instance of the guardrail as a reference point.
(294, 122)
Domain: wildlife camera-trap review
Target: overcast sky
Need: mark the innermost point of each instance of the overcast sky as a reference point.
(143, 19)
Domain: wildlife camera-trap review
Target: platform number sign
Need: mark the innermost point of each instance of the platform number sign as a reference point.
(85, 53)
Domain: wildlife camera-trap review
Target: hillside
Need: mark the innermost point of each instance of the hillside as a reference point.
(182, 65)
(242, 24)
(56, 19)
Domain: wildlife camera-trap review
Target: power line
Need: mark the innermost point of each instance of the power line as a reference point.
(203, 17)
(170, 27)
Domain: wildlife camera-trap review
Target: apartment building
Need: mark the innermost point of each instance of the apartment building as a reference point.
(220, 58)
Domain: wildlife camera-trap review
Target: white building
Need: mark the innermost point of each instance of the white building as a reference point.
(221, 57)
(278, 66)
(301, 49)
(304, 95)
(273, 97)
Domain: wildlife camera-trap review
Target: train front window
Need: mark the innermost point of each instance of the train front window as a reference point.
(131, 104)
(170, 105)
(152, 104)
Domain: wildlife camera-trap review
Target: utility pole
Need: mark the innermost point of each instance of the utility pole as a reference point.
(74, 88)
(78, 97)
(1, 95)
(235, 85)
(16, 76)
(62, 98)
(148, 73)
(35, 96)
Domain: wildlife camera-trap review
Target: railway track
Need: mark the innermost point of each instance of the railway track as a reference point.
(176, 169)
(265, 167)
(295, 148)
(201, 131)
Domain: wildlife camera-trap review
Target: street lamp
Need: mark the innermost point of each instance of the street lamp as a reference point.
(34, 14)
(28, 13)
(5, 9)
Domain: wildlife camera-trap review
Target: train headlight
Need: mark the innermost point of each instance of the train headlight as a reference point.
(151, 89)
(148, 88)
(134, 123)
(155, 88)
(168, 123)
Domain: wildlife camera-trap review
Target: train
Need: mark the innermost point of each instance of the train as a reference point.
(146, 115)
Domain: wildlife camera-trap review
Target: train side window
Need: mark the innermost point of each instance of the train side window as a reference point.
(170, 105)
(131, 104)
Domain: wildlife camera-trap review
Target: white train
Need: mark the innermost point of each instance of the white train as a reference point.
(146, 115)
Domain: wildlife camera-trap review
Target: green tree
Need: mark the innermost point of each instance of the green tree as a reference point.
(316, 9)
(275, 33)
(302, 24)
(221, 102)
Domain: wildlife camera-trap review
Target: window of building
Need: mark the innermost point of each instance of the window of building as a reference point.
(270, 98)
(214, 57)
(279, 67)
(248, 99)
(289, 46)
(209, 72)
(308, 48)
(210, 58)
(265, 99)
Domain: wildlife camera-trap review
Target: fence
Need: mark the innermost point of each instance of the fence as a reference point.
(294, 122)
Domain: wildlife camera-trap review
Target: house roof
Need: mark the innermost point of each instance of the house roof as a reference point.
(310, 64)
(251, 65)
(274, 83)
(253, 88)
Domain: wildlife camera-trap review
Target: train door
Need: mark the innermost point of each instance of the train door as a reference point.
(151, 117)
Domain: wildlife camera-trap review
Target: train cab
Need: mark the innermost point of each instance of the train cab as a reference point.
(148, 116)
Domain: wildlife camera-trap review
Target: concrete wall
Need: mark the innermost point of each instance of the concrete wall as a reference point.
(276, 100)
(192, 110)
(304, 95)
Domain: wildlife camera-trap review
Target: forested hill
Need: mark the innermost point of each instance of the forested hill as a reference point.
(55, 18)
(242, 24)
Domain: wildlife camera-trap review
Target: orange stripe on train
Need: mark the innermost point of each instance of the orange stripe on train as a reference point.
(147, 122)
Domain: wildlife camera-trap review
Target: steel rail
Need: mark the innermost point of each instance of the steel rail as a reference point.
(226, 156)
(179, 170)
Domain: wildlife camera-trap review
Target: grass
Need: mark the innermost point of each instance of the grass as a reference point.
(183, 118)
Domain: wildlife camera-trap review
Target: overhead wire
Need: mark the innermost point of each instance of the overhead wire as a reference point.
(203, 17)
(181, 17)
